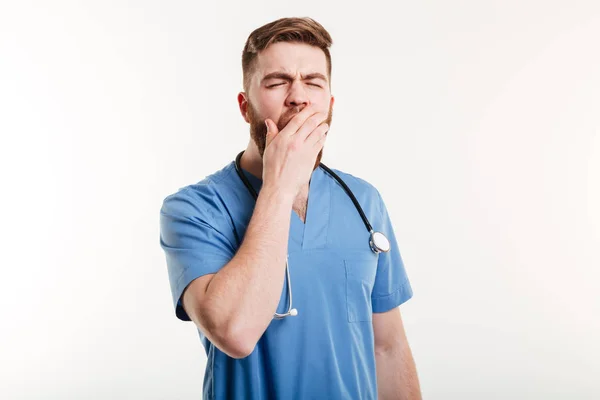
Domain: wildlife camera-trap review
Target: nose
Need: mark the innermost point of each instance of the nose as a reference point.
(297, 96)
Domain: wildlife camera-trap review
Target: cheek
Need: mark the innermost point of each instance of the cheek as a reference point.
(321, 101)
(269, 106)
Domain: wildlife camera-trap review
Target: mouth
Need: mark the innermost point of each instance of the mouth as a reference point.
(288, 117)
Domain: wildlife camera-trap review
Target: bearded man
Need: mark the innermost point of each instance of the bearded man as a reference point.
(236, 240)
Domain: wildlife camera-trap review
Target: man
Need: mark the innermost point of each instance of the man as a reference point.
(226, 251)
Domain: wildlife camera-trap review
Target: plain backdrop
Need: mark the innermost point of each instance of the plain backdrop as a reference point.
(478, 121)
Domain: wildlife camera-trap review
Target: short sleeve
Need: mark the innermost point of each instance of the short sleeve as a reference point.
(392, 286)
(193, 242)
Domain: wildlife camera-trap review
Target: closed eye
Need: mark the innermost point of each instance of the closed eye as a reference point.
(283, 83)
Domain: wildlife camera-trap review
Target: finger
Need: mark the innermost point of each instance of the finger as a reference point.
(317, 135)
(298, 120)
(320, 143)
(272, 131)
(310, 125)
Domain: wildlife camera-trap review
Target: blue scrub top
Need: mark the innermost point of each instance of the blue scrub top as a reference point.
(327, 350)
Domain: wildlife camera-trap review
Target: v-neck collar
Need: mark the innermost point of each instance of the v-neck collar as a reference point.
(312, 232)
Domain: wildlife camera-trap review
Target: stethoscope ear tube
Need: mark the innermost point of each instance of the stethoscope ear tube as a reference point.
(351, 195)
(377, 241)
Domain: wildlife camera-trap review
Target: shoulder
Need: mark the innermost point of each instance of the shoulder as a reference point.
(354, 179)
(202, 199)
(359, 186)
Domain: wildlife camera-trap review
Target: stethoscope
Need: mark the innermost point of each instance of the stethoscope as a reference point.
(377, 241)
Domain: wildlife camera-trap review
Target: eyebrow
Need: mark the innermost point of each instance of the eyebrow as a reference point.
(288, 77)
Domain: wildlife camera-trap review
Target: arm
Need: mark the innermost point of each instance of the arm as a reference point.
(396, 371)
(234, 306)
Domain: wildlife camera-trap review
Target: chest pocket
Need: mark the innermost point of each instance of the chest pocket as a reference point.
(360, 278)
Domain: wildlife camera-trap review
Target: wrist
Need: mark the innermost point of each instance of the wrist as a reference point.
(278, 194)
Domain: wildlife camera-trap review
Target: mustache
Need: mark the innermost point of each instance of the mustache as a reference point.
(286, 118)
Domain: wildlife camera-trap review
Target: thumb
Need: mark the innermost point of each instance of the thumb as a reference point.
(272, 131)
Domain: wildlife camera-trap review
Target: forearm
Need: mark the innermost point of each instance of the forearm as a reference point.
(397, 374)
(242, 297)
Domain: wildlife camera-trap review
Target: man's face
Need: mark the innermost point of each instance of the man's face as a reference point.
(287, 75)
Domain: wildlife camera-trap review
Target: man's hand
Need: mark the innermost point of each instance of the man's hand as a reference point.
(290, 154)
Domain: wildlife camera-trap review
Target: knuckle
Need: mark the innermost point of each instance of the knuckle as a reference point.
(314, 122)
(295, 145)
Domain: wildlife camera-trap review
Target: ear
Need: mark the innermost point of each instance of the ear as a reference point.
(243, 104)
(331, 101)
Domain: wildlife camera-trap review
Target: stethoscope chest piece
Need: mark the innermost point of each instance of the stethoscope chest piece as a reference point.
(379, 243)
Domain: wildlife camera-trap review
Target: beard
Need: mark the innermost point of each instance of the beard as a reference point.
(258, 129)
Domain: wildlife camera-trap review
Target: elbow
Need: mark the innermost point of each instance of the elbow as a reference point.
(235, 343)
(237, 355)
(229, 337)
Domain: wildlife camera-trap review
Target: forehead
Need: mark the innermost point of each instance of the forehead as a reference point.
(291, 58)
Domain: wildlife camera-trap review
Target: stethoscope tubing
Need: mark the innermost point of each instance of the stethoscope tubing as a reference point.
(374, 237)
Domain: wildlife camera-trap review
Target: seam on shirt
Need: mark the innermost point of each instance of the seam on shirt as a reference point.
(185, 269)
(402, 287)
(198, 221)
(379, 204)
(229, 171)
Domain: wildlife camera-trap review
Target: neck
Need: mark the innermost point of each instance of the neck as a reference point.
(251, 160)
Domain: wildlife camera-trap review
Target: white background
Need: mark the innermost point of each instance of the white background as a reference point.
(478, 121)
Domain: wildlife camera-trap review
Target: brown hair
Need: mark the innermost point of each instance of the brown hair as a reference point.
(299, 30)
